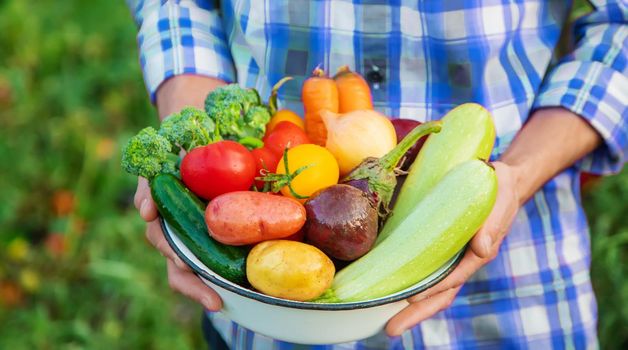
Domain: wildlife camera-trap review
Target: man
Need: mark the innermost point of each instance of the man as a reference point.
(525, 281)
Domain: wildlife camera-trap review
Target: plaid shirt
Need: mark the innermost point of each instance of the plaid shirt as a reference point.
(422, 58)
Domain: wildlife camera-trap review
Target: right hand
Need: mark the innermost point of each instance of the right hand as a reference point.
(180, 277)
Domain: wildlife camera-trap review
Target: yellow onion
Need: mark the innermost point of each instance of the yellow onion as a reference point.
(354, 136)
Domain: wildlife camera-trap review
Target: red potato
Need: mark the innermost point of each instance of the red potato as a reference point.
(246, 217)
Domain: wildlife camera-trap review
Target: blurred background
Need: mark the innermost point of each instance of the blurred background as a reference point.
(75, 269)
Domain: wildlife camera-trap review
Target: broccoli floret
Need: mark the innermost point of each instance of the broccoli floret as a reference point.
(246, 97)
(227, 115)
(148, 154)
(237, 112)
(187, 129)
(256, 118)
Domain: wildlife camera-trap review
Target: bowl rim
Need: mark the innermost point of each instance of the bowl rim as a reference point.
(245, 292)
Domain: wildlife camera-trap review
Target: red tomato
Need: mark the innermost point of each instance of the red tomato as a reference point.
(285, 134)
(218, 168)
(265, 160)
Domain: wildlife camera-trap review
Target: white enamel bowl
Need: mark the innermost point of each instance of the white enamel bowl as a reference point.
(303, 322)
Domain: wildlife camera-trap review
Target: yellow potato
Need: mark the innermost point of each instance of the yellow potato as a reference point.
(290, 270)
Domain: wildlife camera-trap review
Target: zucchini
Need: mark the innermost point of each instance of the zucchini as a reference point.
(433, 232)
(185, 214)
(467, 133)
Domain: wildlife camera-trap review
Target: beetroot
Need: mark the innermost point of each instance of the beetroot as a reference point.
(377, 177)
(341, 221)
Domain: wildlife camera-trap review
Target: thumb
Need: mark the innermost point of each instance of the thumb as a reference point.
(144, 201)
(482, 243)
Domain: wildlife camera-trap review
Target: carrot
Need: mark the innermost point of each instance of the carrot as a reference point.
(353, 91)
(319, 93)
(246, 217)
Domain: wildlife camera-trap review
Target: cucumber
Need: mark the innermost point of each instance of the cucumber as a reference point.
(433, 232)
(185, 214)
(467, 133)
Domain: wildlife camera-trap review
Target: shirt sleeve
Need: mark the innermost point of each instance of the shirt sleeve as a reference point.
(180, 37)
(593, 82)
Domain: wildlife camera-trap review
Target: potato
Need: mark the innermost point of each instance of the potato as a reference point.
(290, 270)
(246, 217)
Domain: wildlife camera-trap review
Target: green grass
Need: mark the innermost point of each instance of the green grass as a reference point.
(71, 92)
(76, 271)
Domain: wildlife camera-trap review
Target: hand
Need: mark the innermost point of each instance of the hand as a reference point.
(184, 90)
(180, 277)
(484, 247)
(172, 95)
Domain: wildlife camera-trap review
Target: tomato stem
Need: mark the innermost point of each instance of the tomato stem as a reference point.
(280, 181)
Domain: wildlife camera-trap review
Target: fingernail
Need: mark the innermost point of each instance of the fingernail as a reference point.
(487, 244)
(208, 303)
(144, 208)
(397, 332)
(180, 264)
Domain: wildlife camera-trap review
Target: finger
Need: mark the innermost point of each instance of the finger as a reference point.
(144, 201)
(419, 311)
(469, 264)
(155, 236)
(483, 242)
(501, 217)
(141, 191)
(493, 230)
(191, 286)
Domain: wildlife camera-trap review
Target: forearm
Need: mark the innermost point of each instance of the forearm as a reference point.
(552, 140)
(184, 90)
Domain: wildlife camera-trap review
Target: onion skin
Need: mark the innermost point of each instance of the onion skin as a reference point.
(355, 136)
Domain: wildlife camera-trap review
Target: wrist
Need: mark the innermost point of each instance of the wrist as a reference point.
(521, 187)
(551, 140)
(184, 90)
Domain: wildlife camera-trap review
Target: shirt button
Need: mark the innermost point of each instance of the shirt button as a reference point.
(374, 77)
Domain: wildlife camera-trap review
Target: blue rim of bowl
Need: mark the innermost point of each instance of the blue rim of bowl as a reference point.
(245, 292)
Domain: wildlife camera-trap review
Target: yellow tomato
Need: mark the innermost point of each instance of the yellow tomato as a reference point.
(284, 115)
(322, 171)
(289, 270)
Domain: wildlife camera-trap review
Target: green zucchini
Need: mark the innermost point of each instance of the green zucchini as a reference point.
(433, 232)
(185, 214)
(467, 133)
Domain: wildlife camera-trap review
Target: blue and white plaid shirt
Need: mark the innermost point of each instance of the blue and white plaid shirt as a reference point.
(421, 59)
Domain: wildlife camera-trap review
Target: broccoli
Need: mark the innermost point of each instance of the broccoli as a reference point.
(238, 113)
(187, 129)
(148, 154)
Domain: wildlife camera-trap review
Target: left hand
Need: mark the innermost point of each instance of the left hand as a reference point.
(484, 247)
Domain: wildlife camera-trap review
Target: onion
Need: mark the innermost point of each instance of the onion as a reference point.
(354, 136)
